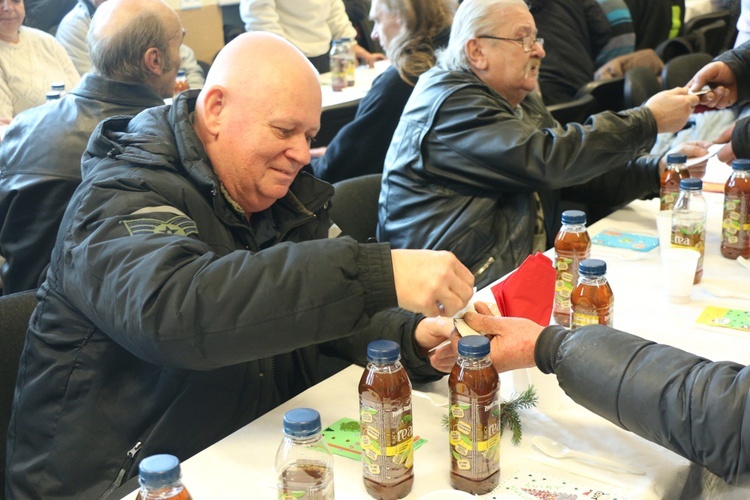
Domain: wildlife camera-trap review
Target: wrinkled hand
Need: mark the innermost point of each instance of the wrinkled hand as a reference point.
(430, 333)
(691, 149)
(426, 279)
(722, 81)
(512, 340)
(367, 57)
(726, 154)
(672, 108)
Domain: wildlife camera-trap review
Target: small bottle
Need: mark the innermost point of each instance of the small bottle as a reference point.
(670, 180)
(304, 464)
(689, 221)
(339, 61)
(160, 478)
(592, 301)
(52, 95)
(735, 225)
(180, 82)
(58, 87)
(351, 62)
(385, 416)
(572, 245)
(474, 417)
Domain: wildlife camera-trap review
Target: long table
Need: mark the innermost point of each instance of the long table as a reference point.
(243, 463)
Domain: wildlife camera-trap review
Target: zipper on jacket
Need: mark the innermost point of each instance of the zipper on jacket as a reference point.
(124, 468)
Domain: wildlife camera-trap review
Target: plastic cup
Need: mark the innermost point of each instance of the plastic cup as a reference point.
(664, 226)
(679, 266)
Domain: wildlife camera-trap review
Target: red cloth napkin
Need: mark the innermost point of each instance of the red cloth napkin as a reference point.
(529, 291)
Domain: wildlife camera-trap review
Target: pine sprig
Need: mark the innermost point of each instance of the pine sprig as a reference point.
(509, 416)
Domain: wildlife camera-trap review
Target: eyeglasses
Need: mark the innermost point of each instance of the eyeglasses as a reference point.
(527, 42)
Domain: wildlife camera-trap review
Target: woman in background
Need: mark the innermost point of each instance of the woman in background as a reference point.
(410, 31)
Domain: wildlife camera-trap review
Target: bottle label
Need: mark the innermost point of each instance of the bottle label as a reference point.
(387, 440)
(475, 436)
(585, 317)
(567, 276)
(668, 198)
(691, 234)
(736, 222)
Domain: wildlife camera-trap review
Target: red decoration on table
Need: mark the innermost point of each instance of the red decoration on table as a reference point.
(529, 291)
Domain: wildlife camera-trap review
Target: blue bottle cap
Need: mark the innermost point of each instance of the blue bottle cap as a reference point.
(741, 164)
(302, 422)
(383, 351)
(158, 471)
(676, 158)
(574, 217)
(474, 346)
(691, 184)
(592, 267)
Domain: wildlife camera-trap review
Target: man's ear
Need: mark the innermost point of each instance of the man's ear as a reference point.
(475, 54)
(154, 60)
(214, 101)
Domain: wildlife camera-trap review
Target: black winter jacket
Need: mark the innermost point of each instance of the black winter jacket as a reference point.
(463, 167)
(162, 328)
(738, 60)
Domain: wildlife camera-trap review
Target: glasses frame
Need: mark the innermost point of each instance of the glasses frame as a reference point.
(521, 40)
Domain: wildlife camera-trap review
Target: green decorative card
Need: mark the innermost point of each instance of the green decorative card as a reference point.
(342, 437)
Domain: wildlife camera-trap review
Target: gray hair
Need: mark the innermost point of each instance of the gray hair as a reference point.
(473, 17)
(119, 56)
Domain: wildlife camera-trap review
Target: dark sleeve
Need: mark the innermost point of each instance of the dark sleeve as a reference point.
(360, 147)
(738, 59)
(690, 405)
(599, 27)
(741, 138)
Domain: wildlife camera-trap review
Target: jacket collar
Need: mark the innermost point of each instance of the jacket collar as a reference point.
(99, 88)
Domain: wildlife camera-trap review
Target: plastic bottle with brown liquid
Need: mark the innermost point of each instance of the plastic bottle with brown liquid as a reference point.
(735, 225)
(592, 301)
(474, 416)
(572, 245)
(160, 478)
(670, 180)
(180, 83)
(385, 416)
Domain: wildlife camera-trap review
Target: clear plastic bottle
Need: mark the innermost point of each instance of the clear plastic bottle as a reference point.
(160, 478)
(689, 221)
(474, 417)
(572, 245)
(670, 180)
(304, 464)
(58, 87)
(351, 62)
(592, 301)
(735, 225)
(385, 416)
(180, 82)
(339, 62)
(53, 95)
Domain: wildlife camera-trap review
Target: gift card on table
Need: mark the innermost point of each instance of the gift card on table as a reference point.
(723, 317)
(533, 485)
(629, 241)
(343, 436)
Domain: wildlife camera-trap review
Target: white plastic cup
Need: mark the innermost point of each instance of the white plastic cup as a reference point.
(664, 226)
(679, 266)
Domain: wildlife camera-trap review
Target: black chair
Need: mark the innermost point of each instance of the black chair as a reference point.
(354, 207)
(333, 119)
(607, 93)
(15, 311)
(697, 22)
(640, 84)
(713, 36)
(679, 71)
(678, 46)
(575, 111)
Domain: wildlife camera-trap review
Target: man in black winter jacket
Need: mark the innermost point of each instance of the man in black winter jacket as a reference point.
(193, 286)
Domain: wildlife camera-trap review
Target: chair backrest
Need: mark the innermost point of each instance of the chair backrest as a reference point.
(607, 93)
(15, 311)
(678, 71)
(354, 207)
(679, 46)
(575, 111)
(697, 22)
(714, 37)
(333, 119)
(640, 84)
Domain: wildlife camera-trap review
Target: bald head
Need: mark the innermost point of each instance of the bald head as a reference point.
(256, 115)
(126, 36)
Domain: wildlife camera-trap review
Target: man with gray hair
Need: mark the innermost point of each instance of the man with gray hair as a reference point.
(476, 145)
(134, 46)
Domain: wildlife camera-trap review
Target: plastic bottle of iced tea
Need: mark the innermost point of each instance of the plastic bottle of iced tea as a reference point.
(385, 416)
(689, 221)
(474, 417)
(592, 301)
(339, 61)
(735, 225)
(180, 82)
(572, 245)
(670, 180)
(304, 464)
(160, 478)
(351, 62)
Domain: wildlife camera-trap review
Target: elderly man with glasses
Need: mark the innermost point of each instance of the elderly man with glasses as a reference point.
(477, 164)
